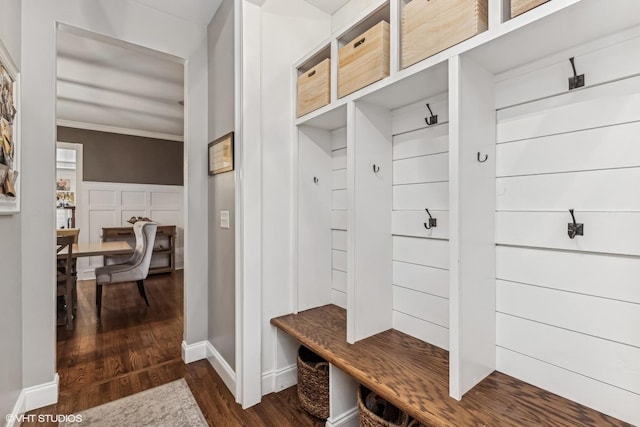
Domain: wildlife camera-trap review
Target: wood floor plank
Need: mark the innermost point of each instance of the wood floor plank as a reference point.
(135, 348)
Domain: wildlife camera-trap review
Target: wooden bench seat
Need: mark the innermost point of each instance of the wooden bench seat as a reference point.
(414, 376)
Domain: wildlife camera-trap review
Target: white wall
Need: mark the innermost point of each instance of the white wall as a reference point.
(222, 301)
(290, 28)
(11, 250)
(134, 23)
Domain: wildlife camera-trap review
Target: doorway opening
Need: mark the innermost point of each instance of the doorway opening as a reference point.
(119, 160)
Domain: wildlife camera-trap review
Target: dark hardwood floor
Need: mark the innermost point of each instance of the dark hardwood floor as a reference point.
(135, 347)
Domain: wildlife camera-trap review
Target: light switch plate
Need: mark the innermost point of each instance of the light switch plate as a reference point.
(224, 219)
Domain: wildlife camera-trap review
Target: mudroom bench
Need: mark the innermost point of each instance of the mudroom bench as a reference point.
(414, 376)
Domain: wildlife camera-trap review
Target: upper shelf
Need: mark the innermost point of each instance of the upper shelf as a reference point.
(554, 27)
(551, 28)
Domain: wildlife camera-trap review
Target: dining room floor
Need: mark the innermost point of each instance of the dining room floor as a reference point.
(135, 347)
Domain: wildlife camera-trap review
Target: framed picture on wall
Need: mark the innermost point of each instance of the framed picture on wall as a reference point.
(221, 154)
(9, 138)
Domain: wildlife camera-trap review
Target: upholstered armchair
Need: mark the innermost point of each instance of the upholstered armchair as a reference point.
(135, 269)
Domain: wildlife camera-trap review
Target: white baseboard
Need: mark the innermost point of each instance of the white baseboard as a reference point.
(278, 380)
(194, 352)
(41, 395)
(34, 397)
(13, 419)
(222, 367)
(348, 419)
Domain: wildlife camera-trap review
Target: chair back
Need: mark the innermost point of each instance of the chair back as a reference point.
(145, 239)
(63, 242)
(69, 232)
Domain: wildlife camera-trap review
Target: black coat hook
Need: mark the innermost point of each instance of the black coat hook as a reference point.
(574, 229)
(315, 180)
(431, 222)
(486, 157)
(376, 168)
(432, 120)
(577, 80)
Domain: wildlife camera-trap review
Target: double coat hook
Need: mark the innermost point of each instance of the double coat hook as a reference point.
(577, 80)
(432, 119)
(486, 156)
(376, 168)
(574, 229)
(431, 222)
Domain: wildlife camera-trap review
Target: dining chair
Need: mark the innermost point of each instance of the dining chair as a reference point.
(75, 232)
(65, 278)
(135, 269)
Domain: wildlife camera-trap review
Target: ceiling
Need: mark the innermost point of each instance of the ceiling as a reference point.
(109, 85)
(329, 6)
(118, 86)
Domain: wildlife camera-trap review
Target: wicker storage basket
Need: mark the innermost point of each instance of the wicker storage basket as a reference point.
(370, 419)
(313, 383)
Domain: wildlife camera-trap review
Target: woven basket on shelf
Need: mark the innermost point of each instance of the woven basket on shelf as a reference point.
(369, 419)
(313, 383)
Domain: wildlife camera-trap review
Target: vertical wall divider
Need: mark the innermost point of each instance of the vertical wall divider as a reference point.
(314, 217)
(395, 19)
(370, 226)
(472, 127)
(351, 223)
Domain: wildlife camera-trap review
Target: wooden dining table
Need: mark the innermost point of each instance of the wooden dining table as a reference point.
(98, 249)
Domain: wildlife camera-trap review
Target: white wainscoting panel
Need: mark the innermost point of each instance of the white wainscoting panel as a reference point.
(105, 204)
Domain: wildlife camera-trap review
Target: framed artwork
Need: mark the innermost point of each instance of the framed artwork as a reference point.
(9, 138)
(221, 154)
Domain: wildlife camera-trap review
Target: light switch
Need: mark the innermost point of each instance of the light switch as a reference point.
(224, 219)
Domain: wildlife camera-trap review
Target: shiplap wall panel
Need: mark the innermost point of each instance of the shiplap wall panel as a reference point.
(339, 179)
(339, 139)
(607, 232)
(614, 277)
(339, 217)
(412, 116)
(600, 317)
(428, 280)
(339, 220)
(421, 329)
(411, 223)
(515, 87)
(339, 279)
(340, 159)
(567, 309)
(420, 182)
(423, 306)
(602, 190)
(421, 196)
(430, 168)
(339, 239)
(339, 260)
(606, 105)
(412, 144)
(339, 199)
(428, 252)
(339, 298)
(597, 358)
(600, 148)
(595, 394)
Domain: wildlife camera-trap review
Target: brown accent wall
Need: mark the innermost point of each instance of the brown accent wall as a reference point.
(113, 157)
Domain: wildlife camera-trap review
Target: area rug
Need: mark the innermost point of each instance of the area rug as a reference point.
(168, 405)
